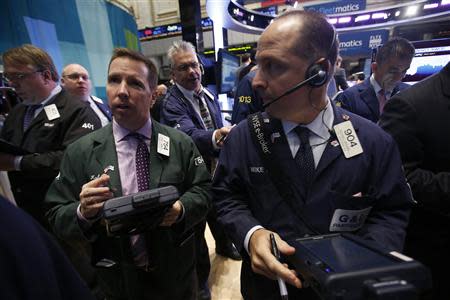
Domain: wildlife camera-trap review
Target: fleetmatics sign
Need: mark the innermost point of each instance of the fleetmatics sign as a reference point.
(361, 43)
(338, 7)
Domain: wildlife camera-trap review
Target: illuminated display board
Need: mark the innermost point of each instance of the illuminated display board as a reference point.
(151, 33)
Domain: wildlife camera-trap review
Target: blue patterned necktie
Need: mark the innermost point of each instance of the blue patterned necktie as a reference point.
(29, 115)
(204, 113)
(138, 244)
(304, 156)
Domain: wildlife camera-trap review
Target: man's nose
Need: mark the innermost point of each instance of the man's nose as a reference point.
(123, 90)
(258, 81)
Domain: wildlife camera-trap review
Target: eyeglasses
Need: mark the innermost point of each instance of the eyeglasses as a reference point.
(18, 76)
(76, 76)
(187, 66)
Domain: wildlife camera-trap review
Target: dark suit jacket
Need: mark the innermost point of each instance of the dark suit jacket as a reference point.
(246, 196)
(32, 264)
(246, 100)
(362, 100)
(419, 120)
(46, 141)
(178, 112)
(170, 249)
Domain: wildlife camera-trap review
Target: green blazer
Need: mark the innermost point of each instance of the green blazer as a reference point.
(171, 249)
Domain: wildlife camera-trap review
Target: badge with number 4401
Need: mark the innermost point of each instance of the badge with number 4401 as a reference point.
(348, 139)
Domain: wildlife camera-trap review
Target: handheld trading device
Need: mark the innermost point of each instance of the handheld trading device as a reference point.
(138, 212)
(345, 267)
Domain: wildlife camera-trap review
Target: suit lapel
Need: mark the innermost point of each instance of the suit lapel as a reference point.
(178, 94)
(370, 99)
(331, 152)
(104, 109)
(106, 155)
(157, 161)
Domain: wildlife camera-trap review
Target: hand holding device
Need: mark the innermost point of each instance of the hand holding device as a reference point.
(276, 253)
(264, 262)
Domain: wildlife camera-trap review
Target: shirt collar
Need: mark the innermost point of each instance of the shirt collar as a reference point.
(120, 132)
(319, 126)
(187, 93)
(53, 93)
(375, 85)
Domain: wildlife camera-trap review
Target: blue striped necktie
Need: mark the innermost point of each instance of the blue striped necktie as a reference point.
(29, 115)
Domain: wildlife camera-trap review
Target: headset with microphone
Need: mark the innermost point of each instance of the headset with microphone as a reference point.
(316, 75)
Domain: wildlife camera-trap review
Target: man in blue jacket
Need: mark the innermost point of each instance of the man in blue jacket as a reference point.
(368, 98)
(190, 107)
(302, 166)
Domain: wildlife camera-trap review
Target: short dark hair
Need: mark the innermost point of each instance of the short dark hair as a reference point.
(396, 47)
(30, 55)
(317, 35)
(245, 57)
(134, 55)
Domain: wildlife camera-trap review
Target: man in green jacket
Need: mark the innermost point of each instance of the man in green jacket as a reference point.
(133, 153)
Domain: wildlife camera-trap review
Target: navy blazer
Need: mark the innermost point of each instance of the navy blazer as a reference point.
(246, 100)
(178, 112)
(104, 108)
(362, 100)
(372, 181)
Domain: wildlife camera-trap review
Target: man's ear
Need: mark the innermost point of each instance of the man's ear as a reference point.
(63, 82)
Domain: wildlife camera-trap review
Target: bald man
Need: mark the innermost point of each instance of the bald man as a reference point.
(75, 80)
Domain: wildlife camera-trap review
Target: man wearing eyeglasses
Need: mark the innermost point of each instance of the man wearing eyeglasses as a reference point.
(194, 110)
(43, 125)
(368, 98)
(76, 81)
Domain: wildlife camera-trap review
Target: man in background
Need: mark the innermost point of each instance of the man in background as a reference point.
(246, 100)
(43, 125)
(419, 120)
(194, 110)
(339, 75)
(76, 81)
(160, 94)
(133, 154)
(367, 99)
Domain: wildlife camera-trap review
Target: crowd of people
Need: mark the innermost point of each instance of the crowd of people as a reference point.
(280, 170)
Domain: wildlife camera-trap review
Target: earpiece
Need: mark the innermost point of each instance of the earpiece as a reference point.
(318, 73)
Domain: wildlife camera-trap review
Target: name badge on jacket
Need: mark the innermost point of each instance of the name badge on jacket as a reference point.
(348, 220)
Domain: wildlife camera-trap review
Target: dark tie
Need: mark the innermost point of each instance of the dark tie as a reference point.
(381, 99)
(138, 245)
(204, 113)
(304, 156)
(29, 115)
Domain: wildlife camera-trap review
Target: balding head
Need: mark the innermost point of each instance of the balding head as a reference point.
(310, 35)
(75, 80)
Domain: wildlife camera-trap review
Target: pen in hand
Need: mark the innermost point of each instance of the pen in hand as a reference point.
(281, 283)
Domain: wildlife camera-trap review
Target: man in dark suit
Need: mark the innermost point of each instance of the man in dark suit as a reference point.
(133, 153)
(285, 172)
(246, 101)
(367, 99)
(76, 81)
(419, 120)
(191, 108)
(33, 266)
(44, 124)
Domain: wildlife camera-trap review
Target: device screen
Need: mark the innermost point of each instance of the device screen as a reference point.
(344, 255)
